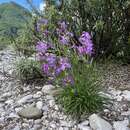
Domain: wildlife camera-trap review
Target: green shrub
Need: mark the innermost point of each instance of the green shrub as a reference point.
(28, 70)
(83, 98)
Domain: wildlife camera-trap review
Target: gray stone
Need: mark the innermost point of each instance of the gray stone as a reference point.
(8, 94)
(97, 123)
(38, 121)
(38, 94)
(9, 102)
(121, 125)
(85, 128)
(16, 128)
(2, 99)
(45, 108)
(39, 104)
(37, 127)
(51, 103)
(66, 128)
(17, 109)
(30, 112)
(47, 89)
(61, 128)
(2, 120)
(25, 125)
(126, 95)
(49, 97)
(56, 107)
(24, 99)
(84, 125)
(13, 115)
(53, 126)
(65, 123)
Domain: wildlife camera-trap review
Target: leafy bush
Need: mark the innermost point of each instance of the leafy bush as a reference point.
(28, 70)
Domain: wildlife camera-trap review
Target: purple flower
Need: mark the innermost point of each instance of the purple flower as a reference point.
(58, 71)
(85, 35)
(64, 63)
(62, 26)
(70, 34)
(85, 38)
(87, 45)
(89, 49)
(45, 68)
(41, 47)
(40, 56)
(51, 60)
(80, 49)
(64, 40)
(62, 66)
(46, 33)
(68, 80)
(85, 49)
(43, 21)
(40, 23)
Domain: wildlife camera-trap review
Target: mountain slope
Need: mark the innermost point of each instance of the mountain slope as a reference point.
(12, 19)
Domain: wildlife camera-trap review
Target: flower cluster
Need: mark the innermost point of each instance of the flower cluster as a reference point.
(52, 65)
(68, 80)
(86, 46)
(64, 34)
(42, 26)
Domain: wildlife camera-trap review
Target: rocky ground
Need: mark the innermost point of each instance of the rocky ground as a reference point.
(32, 107)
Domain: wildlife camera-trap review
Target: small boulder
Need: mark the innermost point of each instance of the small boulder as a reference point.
(97, 123)
(30, 112)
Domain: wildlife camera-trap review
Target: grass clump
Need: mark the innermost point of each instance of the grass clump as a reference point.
(83, 98)
(28, 70)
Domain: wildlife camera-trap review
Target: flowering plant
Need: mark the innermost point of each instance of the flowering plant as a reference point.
(66, 62)
(57, 58)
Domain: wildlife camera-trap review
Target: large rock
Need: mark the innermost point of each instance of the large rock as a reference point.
(30, 112)
(121, 125)
(97, 123)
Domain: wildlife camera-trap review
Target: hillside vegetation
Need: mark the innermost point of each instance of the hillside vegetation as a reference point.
(13, 18)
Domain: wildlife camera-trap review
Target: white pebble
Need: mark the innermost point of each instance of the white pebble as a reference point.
(39, 104)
